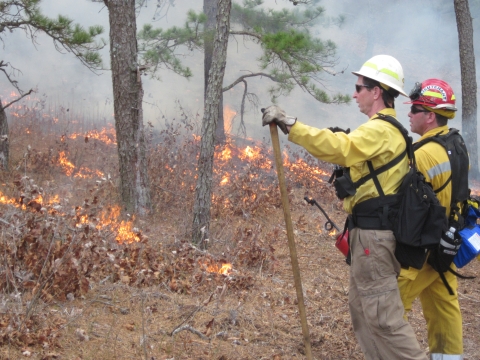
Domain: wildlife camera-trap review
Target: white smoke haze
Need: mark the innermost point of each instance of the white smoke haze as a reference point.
(422, 35)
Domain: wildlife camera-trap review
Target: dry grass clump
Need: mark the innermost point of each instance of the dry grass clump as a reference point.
(80, 280)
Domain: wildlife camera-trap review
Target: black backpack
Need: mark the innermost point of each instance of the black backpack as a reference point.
(441, 257)
(456, 149)
(414, 214)
(420, 220)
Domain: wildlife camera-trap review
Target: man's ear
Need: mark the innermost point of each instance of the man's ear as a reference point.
(431, 118)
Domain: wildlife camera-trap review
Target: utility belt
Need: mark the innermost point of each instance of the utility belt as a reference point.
(376, 213)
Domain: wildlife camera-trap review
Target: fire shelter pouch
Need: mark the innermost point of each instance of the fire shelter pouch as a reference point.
(471, 239)
(470, 246)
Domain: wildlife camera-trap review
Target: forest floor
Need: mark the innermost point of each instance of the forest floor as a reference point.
(82, 281)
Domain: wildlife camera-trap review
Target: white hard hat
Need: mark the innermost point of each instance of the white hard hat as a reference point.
(386, 70)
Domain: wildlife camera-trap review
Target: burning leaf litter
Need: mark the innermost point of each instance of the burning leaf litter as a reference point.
(108, 279)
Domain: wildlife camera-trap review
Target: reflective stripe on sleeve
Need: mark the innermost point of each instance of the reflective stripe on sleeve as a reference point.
(439, 169)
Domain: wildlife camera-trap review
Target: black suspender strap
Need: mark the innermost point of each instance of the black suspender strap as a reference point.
(373, 173)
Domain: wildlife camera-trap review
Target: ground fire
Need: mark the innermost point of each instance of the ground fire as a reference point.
(68, 248)
(224, 269)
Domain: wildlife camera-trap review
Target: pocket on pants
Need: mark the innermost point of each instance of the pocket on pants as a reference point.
(377, 269)
(384, 310)
(386, 263)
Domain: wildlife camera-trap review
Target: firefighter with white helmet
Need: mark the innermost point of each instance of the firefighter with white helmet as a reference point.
(374, 299)
(432, 105)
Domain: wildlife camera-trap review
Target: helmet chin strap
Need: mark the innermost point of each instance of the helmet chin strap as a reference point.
(394, 93)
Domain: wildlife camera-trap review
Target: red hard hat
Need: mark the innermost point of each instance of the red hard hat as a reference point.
(433, 93)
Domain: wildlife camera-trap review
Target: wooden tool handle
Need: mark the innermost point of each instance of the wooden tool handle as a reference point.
(291, 240)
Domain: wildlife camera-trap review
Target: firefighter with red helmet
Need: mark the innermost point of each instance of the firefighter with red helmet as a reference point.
(432, 105)
(374, 298)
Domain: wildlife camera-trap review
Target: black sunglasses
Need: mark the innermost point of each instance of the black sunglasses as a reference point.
(414, 110)
(358, 88)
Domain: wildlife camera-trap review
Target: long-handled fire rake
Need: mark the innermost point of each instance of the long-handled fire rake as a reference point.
(291, 240)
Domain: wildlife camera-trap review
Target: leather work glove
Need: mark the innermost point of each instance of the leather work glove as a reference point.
(275, 114)
(338, 129)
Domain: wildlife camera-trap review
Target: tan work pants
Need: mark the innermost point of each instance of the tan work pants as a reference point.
(374, 299)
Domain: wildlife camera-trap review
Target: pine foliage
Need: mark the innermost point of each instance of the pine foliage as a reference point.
(158, 47)
(67, 36)
(291, 57)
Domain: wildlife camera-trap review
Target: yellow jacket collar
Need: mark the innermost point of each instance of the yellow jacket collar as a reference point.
(435, 131)
(386, 111)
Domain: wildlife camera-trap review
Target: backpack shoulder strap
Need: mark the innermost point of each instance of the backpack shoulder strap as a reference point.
(438, 138)
(445, 282)
(374, 172)
(448, 142)
(408, 151)
(408, 139)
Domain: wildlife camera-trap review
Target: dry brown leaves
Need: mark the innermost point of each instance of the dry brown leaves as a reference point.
(53, 249)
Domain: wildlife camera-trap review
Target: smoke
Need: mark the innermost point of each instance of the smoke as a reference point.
(421, 35)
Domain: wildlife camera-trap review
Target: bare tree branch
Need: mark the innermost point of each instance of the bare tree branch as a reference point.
(241, 78)
(18, 99)
(192, 330)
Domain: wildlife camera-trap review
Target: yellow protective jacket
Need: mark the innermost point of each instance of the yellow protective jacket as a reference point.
(375, 140)
(433, 162)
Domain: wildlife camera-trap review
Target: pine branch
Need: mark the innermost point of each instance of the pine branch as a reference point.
(26, 15)
(241, 79)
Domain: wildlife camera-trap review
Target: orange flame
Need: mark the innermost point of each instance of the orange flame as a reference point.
(7, 200)
(224, 180)
(106, 135)
(225, 269)
(83, 172)
(88, 173)
(125, 231)
(67, 166)
(226, 154)
(228, 116)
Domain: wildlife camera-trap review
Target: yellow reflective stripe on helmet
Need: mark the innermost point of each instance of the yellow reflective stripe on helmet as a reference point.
(453, 97)
(432, 94)
(385, 71)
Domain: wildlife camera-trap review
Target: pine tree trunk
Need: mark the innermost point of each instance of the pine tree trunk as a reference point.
(469, 83)
(127, 103)
(210, 9)
(4, 143)
(203, 190)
